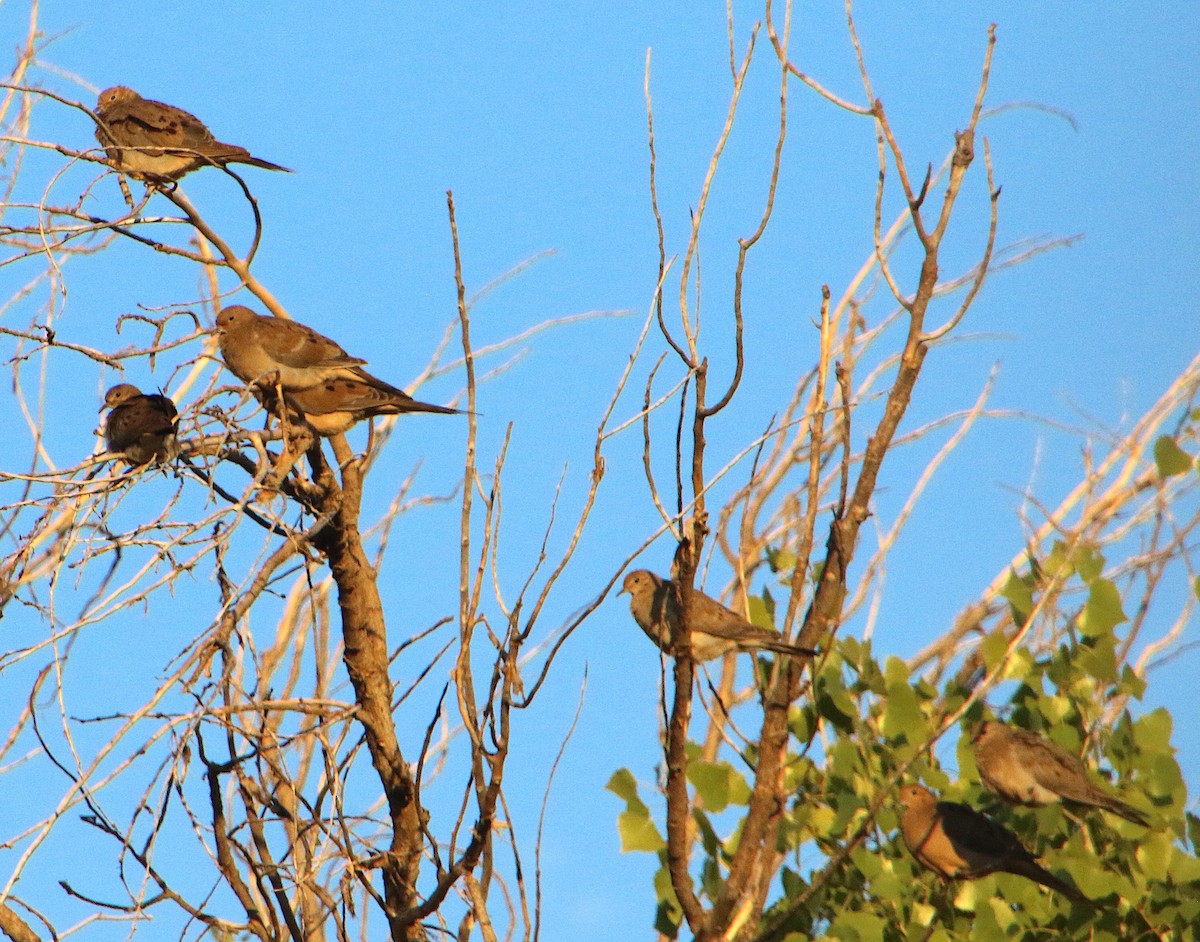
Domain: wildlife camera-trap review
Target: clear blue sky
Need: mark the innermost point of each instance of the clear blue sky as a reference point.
(533, 113)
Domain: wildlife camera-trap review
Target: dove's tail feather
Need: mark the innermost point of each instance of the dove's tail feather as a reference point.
(405, 402)
(782, 647)
(1039, 874)
(414, 406)
(223, 153)
(1118, 807)
(264, 164)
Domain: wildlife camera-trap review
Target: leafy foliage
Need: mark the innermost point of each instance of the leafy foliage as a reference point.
(871, 723)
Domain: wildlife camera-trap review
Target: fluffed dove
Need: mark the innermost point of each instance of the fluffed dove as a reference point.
(1028, 769)
(279, 351)
(158, 142)
(333, 406)
(957, 841)
(141, 427)
(716, 630)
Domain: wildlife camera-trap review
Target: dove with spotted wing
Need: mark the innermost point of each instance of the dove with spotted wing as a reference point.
(157, 142)
(335, 405)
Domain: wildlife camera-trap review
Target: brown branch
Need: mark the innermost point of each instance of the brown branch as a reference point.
(824, 611)
(678, 802)
(14, 927)
(744, 245)
(239, 266)
(225, 862)
(662, 251)
(365, 654)
(780, 48)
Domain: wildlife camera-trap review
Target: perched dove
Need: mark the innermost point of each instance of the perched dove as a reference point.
(716, 630)
(1028, 769)
(141, 427)
(158, 142)
(957, 841)
(280, 351)
(333, 406)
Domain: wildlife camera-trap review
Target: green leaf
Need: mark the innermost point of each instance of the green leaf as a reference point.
(1193, 829)
(718, 785)
(1098, 882)
(1020, 665)
(890, 886)
(993, 647)
(638, 832)
(669, 913)
(762, 611)
(861, 926)
(634, 826)
(1058, 565)
(965, 898)
(1058, 709)
(1096, 658)
(781, 560)
(1184, 868)
(1020, 597)
(802, 721)
(1170, 458)
(1089, 562)
(1103, 610)
(867, 861)
(793, 884)
(708, 836)
(922, 914)
(1164, 778)
(666, 921)
(1002, 912)
(1131, 683)
(835, 704)
(623, 785)
(1152, 732)
(710, 879)
(1154, 855)
(820, 818)
(902, 718)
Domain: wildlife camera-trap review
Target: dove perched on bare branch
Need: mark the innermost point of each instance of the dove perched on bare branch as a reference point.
(318, 378)
(716, 630)
(956, 841)
(333, 406)
(140, 427)
(280, 352)
(1028, 769)
(157, 142)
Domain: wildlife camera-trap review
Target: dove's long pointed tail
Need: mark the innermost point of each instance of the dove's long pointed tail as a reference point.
(1039, 874)
(264, 164)
(1129, 813)
(782, 647)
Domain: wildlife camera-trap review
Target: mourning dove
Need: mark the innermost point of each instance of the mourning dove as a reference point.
(158, 142)
(333, 406)
(956, 841)
(1028, 769)
(280, 351)
(716, 630)
(141, 427)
